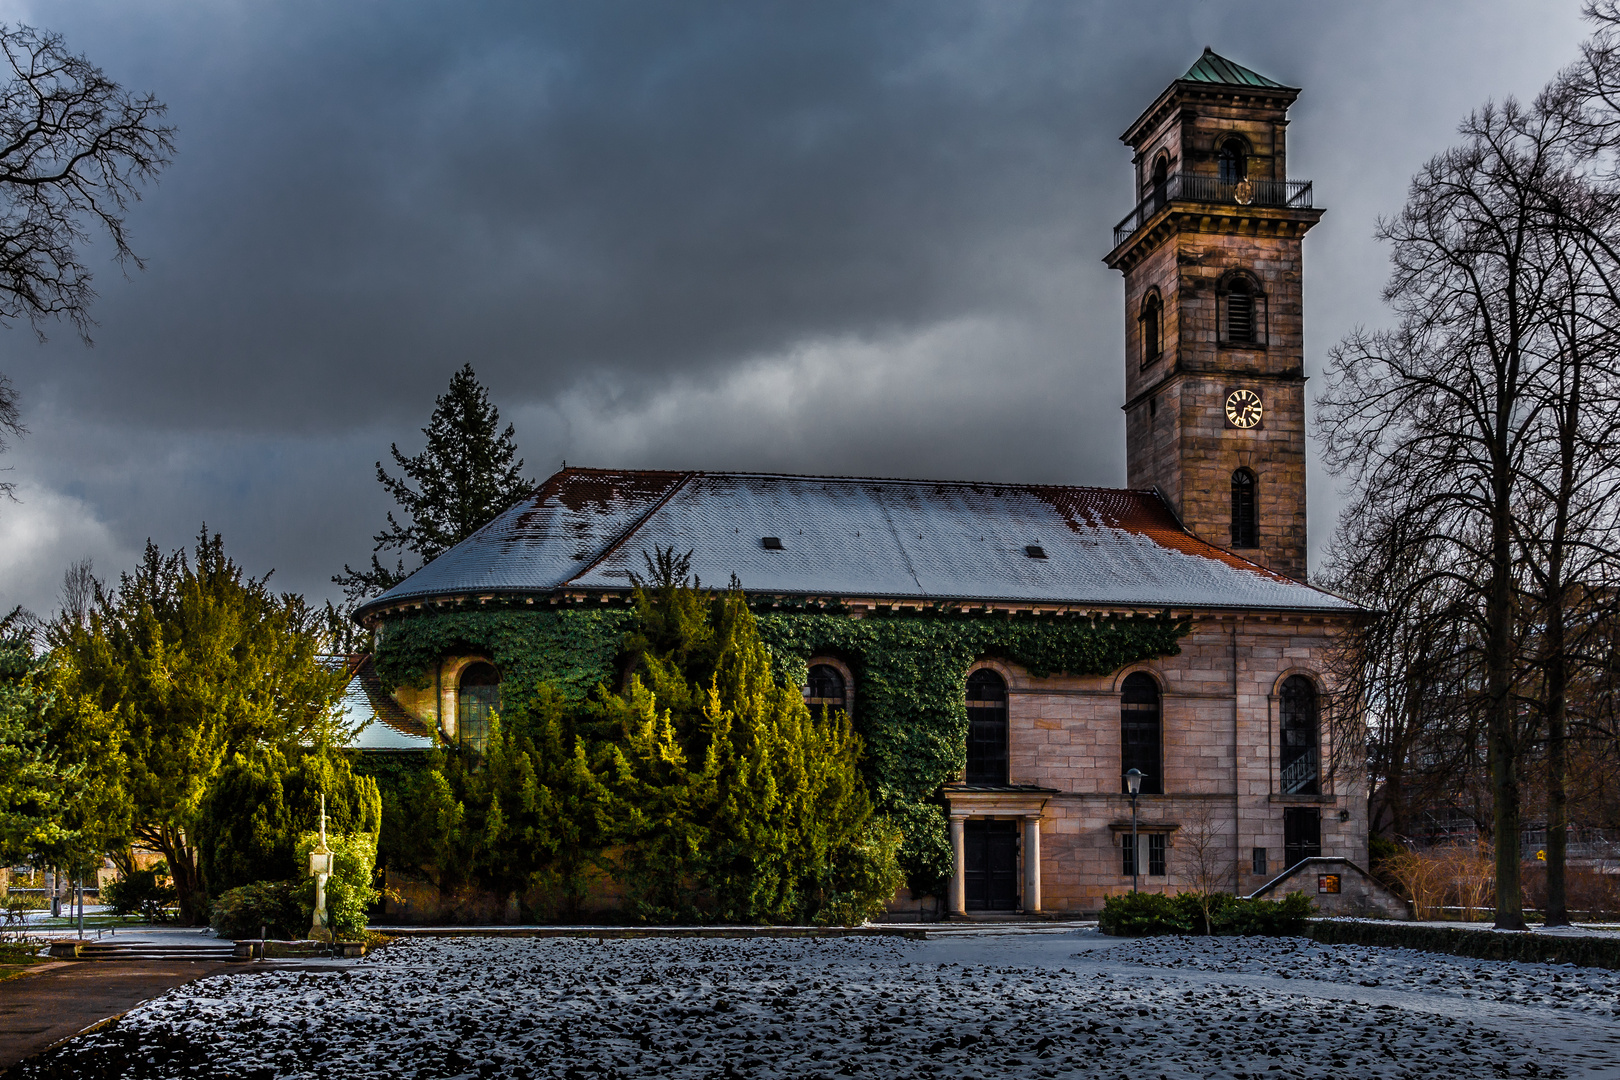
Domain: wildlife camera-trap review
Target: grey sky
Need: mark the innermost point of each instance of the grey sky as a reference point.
(822, 237)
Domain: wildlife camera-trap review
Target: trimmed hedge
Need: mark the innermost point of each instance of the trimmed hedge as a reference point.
(1528, 947)
(1144, 914)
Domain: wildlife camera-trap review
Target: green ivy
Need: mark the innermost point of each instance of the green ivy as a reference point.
(910, 679)
(573, 650)
(911, 685)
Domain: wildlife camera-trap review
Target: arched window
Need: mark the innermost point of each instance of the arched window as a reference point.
(825, 690)
(478, 693)
(987, 728)
(1301, 765)
(1233, 157)
(1243, 310)
(1245, 513)
(1160, 193)
(1152, 328)
(1141, 733)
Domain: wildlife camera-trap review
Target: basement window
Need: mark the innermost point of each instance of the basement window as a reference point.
(1035, 551)
(771, 543)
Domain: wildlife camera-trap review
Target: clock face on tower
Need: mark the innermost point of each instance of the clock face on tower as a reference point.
(1243, 409)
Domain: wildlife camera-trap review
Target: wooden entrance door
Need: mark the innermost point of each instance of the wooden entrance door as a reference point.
(1302, 834)
(992, 865)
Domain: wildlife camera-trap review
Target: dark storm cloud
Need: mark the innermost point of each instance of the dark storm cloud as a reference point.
(550, 196)
(836, 236)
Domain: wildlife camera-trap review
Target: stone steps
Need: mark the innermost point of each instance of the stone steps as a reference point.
(76, 949)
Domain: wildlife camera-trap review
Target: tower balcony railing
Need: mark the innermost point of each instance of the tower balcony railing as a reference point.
(1193, 187)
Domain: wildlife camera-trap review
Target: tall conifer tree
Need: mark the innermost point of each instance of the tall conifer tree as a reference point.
(465, 476)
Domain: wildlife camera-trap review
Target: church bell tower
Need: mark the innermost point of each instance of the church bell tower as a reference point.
(1214, 317)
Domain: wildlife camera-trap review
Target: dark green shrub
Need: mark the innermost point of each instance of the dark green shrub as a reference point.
(261, 803)
(1145, 914)
(240, 912)
(1270, 917)
(138, 893)
(1141, 914)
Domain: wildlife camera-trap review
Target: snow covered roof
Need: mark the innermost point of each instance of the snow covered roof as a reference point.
(387, 725)
(586, 530)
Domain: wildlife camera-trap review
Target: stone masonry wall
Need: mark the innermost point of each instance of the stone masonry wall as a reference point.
(1220, 761)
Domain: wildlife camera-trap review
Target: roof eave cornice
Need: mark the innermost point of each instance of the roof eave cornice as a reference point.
(858, 606)
(1154, 114)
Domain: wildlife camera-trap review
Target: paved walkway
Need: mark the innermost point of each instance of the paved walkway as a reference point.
(53, 1001)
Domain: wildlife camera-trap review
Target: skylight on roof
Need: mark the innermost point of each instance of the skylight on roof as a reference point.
(1035, 551)
(771, 543)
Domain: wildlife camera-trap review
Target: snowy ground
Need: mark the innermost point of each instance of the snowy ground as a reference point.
(959, 1005)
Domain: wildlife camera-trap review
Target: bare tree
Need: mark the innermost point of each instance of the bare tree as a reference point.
(1207, 848)
(1405, 714)
(80, 591)
(1437, 419)
(75, 148)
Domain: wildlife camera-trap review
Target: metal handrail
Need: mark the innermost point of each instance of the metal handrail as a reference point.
(1194, 187)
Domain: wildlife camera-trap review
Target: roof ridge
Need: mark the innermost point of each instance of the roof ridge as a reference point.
(861, 479)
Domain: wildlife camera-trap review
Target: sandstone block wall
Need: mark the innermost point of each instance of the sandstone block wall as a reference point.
(1221, 739)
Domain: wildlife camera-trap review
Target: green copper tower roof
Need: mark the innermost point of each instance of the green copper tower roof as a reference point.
(1214, 68)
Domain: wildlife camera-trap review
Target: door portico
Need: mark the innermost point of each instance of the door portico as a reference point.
(1021, 803)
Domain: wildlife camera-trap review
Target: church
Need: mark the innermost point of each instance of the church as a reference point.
(1011, 652)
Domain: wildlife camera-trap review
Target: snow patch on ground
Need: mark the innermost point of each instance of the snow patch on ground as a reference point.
(1553, 986)
(579, 1009)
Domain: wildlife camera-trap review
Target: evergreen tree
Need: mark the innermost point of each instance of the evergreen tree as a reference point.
(187, 663)
(35, 788)
(466, 475)
(265, 799)
(526, 818)
(735, 803)
(705, 790)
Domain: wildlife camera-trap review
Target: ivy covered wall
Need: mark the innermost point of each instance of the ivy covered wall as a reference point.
(910, 679)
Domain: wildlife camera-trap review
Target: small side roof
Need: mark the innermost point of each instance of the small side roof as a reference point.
(1212, 67)
(387, 726)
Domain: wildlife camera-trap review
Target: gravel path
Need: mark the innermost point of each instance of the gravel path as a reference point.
(1055, 1005)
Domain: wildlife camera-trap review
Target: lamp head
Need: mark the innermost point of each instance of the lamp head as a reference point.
(1133, 781)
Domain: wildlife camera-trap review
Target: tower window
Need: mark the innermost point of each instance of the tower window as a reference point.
(478, 695)
(1301, 756)
(1245, 515)
(1243, 310)
(1234, 161)
(1240, 313)
(1152, 328)
(1141, 733)
(987, 728)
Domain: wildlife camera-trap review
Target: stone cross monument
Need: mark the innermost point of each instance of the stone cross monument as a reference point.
(320, 867)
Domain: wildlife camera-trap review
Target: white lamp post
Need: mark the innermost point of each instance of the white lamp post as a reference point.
(1133, 784)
